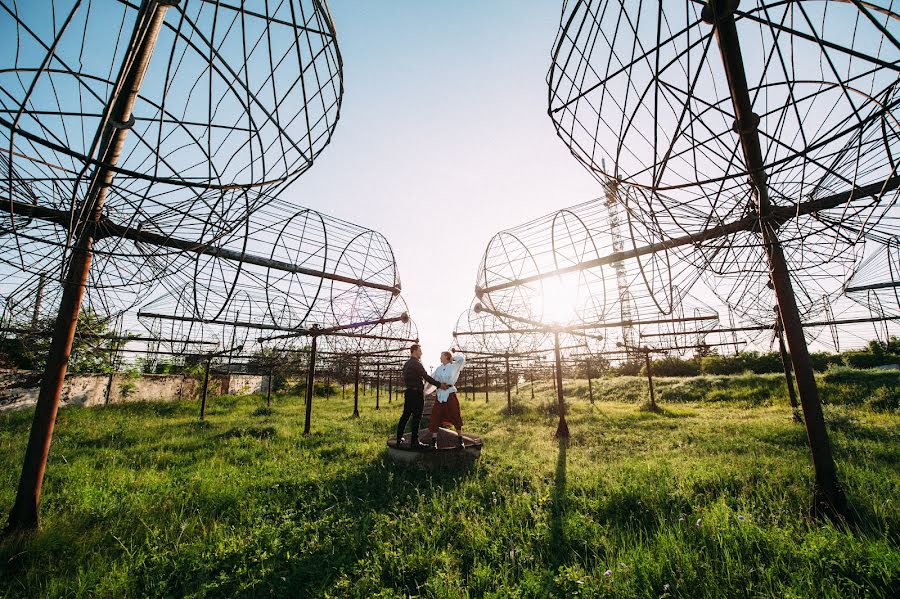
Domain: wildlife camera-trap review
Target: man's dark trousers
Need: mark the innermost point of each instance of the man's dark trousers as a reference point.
(413, 403)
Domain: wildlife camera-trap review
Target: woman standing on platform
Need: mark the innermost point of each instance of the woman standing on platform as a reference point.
(446, 404)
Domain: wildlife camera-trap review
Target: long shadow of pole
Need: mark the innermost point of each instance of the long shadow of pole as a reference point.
(558, 545)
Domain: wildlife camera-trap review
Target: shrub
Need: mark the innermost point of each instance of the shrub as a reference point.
(673, 366)
(323, 390)
(847, 386)
(822, 360)
(752, 361)
(129, 385)
(869, 359)
(721, 365)
(629, 368)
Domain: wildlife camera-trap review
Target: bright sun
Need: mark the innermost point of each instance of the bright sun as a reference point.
(560, 300)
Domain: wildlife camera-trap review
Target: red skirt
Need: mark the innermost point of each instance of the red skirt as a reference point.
(445, 413)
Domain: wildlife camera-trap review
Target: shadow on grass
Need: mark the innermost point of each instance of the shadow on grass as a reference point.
(559, 547)
(347, 508)
(257, 432)
(648, 410)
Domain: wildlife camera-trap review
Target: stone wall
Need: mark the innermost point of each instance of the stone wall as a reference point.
(19, 388)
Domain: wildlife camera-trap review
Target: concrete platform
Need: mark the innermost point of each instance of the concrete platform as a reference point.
(448, 453)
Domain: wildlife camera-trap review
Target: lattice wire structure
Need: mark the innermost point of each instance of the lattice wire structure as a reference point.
(487, 340)
(570, 268)
(374, 342)
(875, 284)
(761, 137)
(478, 331)
(568, 275)
(286, 269)
(536, 273)
(288, 280)
(134, 133)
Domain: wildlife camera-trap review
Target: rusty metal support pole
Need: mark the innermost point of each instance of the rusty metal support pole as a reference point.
(205, 389)
(390, 385)
(36, 315)
(269, 389)
(487, 382)
(109, 386)
(113, 363)
(531, 377)
(590, 367)
(562, 429)
(828, 496)
(111, 139)
(5, 318)
(378, 387)
(356, 390)
(508, 390)
(649, 366)
(786, 365)
(310, 383)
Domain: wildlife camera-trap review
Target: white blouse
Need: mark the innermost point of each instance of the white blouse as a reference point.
(449, 374)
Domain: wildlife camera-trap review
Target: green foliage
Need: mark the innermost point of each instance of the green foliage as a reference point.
(874, 355)
(822, 361)
(323, 390)
(879, 389)
(704, 499)
(628, 368)
(129, 385)
(597, 366)
(751, 361)
(869, 359)
(672, 366)
(28, 351)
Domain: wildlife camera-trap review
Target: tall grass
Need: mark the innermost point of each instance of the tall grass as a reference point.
(707, 498)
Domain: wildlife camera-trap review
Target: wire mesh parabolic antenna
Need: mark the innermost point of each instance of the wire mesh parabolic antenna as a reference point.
(479, 331)
(508, 259)
(640, 85)
(876, 283)
(235, 102)
(367, 256)
(235, 97)
(289, 264)
(640, 88)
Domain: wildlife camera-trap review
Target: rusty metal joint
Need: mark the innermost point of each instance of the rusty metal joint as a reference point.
(716, 9)
(750, 124)
(116, 124)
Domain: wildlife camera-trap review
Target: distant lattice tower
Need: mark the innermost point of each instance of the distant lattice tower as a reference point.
(618, 244)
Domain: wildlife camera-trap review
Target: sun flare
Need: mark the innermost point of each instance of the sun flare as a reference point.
(559, 300)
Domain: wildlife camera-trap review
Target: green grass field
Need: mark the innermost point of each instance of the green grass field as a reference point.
(708, 498)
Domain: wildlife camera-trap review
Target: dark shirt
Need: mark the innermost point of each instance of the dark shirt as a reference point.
(414, 372)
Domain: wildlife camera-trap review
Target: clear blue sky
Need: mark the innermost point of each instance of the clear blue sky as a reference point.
(443, 140)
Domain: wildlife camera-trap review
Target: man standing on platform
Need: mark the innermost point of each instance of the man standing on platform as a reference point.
(414, 378)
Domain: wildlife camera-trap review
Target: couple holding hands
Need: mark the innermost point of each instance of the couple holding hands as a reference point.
(446, 404)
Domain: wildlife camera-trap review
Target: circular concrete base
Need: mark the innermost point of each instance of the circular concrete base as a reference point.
(448, 453)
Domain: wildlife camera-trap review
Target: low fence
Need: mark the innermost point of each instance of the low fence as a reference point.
(19, 388)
